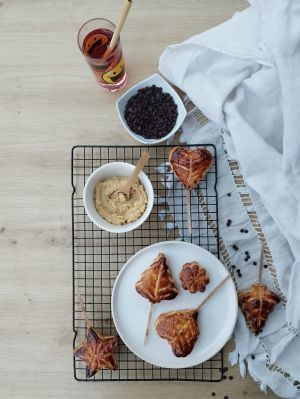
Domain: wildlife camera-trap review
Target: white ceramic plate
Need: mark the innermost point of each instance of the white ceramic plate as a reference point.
(130, 311)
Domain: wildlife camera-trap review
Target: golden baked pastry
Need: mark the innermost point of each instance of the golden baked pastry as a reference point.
(97, 352)
(193, 277)
(256, 304)
(190, 166)
(156, 283)
(180, 329)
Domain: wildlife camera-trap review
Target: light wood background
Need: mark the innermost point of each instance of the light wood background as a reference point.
(48, 103)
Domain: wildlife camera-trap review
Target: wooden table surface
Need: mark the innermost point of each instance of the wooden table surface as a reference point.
(49, 102)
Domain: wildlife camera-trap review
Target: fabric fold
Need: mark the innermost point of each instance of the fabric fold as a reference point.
(244, 77)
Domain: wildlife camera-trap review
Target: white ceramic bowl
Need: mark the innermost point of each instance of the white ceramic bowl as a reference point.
(105, 172)
(159, 81)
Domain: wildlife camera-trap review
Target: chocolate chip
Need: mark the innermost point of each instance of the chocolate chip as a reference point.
(254, 263)
(228, 194)
(252, 357)
(224, 377)
(246, 231)
(235, 247)
(226, 397)
(265, 266)
(238, 270)
(246, 252)
(228, 223)
(151, 113)
(242, 230)
(233, 267)
(213, 394)
(231, 377)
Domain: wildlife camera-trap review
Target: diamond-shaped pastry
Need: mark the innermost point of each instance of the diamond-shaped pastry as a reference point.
(257, 303)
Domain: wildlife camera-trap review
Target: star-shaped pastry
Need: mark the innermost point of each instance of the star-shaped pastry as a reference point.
(97, 352)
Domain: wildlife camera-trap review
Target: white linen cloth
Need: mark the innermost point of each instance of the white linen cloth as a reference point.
(244, 75)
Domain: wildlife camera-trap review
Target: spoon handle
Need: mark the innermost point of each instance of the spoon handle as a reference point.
(139, 166)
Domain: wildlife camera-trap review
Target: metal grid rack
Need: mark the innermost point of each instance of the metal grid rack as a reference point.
(98, 255)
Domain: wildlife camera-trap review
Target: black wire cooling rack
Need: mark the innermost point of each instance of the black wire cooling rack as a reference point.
(98, 255)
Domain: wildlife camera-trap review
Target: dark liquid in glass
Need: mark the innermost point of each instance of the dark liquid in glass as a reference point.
(109, 69)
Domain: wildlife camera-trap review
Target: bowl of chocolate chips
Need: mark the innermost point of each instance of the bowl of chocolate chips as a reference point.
(151, 111)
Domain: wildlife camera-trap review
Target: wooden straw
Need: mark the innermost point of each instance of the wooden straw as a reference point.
(188, 205)
(261, 262)
(125, 10)
(87, 322)
(148, 323)
(212, 292)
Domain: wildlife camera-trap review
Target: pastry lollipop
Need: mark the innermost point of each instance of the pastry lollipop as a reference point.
(257, 302)
(156, 284)
(180, 328)
(190, 167)
(96, 350)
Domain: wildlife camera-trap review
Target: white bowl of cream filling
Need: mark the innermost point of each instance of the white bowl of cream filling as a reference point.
(116, 213)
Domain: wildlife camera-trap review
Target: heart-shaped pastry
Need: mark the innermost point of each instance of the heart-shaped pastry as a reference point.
(256, 304)
(193, 277)
(190, 166)
(156, 283)
(180, 329)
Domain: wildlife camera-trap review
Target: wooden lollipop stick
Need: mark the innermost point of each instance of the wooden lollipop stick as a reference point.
(87, 322)
(188, 205)
(212, 292)
(261, 262)
(148, 323)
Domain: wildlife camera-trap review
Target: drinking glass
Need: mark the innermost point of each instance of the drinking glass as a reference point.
(108, 66)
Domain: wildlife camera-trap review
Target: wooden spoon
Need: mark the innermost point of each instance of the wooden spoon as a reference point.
(126, 188)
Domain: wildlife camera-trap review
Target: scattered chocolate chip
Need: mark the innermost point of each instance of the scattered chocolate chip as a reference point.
(226, 397)
(228, 194)
(242, 230)
(265, 266)
(252, 357)
(151, 112)
(231, 377)
(228, 223)
(224, 377)
(213, 394)
(238, 270)
(225, 369)
(235, 247)
(246, 259)
(246, 252)
(239, 275)
(246, 231)
(233, 267)
(254, 263)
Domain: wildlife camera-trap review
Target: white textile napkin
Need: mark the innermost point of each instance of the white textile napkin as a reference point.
(244, 75)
